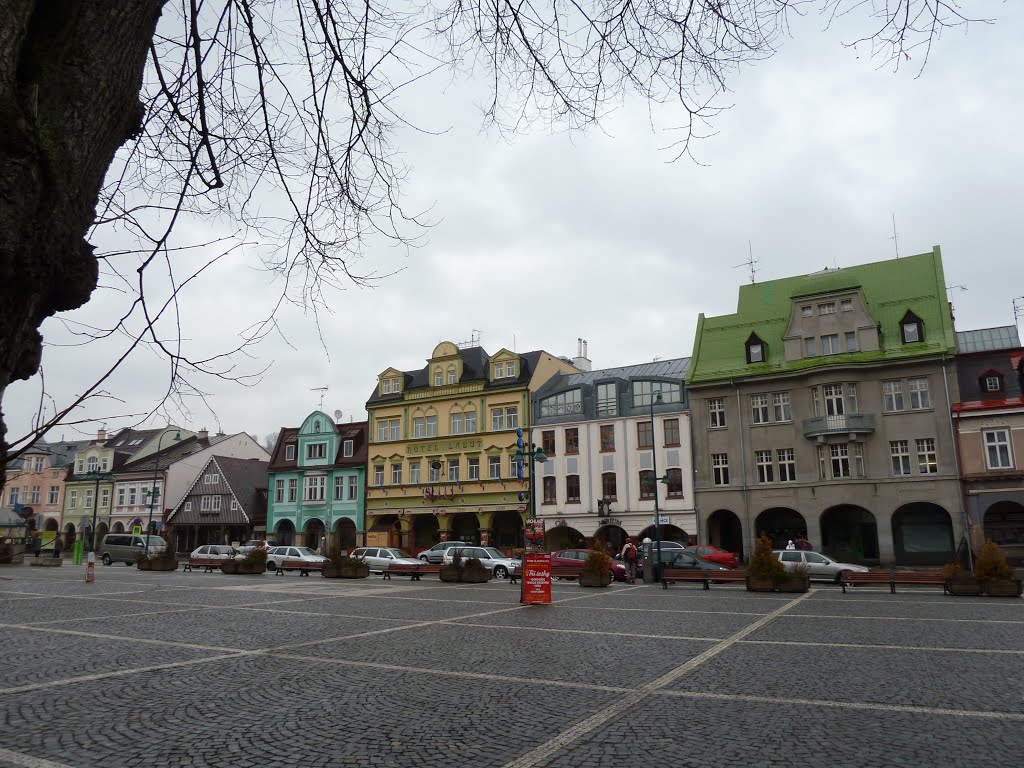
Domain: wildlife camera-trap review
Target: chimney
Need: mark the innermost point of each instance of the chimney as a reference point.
(581, 361)
(203, 433)
(101, 435)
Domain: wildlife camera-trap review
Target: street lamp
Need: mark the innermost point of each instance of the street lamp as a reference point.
(97, 476)
(153, 492)
(533, 455)
(656, 398)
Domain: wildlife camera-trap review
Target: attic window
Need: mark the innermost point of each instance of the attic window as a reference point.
(438, 377)
(451, 375)
(289, 452)
(385, 387)
(347, 449)
(136, 442)
(911, 328)
(755, 349)
(395, 386)
(991, 381)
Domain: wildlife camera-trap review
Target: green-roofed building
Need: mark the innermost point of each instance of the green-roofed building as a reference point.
(822, 408)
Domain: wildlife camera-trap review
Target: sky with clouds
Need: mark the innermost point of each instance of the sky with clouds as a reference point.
(549, 237)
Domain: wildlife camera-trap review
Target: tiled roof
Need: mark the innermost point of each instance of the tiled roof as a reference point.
(246, 476)
(675, 368)
(988, 339)
(889, 288)
(168, 454)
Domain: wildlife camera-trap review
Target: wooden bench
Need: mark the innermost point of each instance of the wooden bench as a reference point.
(209, 563)
(892, 578)
(699, 574)
(408, 569)
(301, 566)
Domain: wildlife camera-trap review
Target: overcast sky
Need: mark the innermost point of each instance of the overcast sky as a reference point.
(553, 237)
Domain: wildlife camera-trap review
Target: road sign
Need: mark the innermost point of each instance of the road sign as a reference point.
(663, 520)
(137, 530)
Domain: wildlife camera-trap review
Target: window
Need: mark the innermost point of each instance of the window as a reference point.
(396, 474)
(607, 437)
(646, 392)
(609, 486)
(378, 475)
(572, 489)
(675, 483)
(851, 342)
(497, 419)
(927, 458)
(438, 378)
(756, 353)
(644, 435)
(105, 498)
(456, 428)
(572, 441)
(316, 450)
(504, 418)
(787, 465)
(920, 399)
(234, 504)
(386, 387)
(188, 506)
(353, 487)
(840, 460)
(434, 471)
(671, 427)
(821, 463)
(35, 494)
(833, 399)
(911, 328)
(899, 451)
(828, 308)
(81, 467)
(473, 469)
(132, 493)
(759, 409)
(279, 490)
(892, 392)
(54, 495)
(513, 465)
(830, 344)
(453, 471)
(561, 404)
(494, 467)
(716, 413)
(388, 429)
(810, 347)
(765, 468)
(206, 504)
(347, 449)
(12, 497)
(39, 463)
(313, 487)
(647, 484)
(121, 496)
(414, 472)
(780, 402)
(547, 441)
(396, 385)
(431, 427)
(469, 422)
(92, 463)
(720, 466)
(211, 478)
(992, 384)
(88, 499)
(512, 417)
(503, 371)
(293, 489)
(846, 305)
(807, 310)
(607, 400)
(997, 449)
(858, 459)
(289, 452)
(451, 375)
(549, 490)
(419, 427)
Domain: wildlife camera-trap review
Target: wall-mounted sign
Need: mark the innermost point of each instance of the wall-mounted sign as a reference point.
(611, 521)
(534, 531)
(417, 449)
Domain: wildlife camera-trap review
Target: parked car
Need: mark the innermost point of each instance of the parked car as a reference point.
(819, 567)
(125, 547)
(646, 550)
(436, 552)
(579, 556)
(252, 544)
(279, 554)
(216, 551)
(379, 558)
(492, 559)
(715, 555)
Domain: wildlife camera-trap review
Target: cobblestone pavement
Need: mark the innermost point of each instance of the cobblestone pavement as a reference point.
(194, 669)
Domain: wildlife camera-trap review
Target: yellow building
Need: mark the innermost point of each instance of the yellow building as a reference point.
(442, 447)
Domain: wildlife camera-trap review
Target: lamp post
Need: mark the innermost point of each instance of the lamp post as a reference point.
(656, 397)
(533, 455)
(97, 476)
(153, 492)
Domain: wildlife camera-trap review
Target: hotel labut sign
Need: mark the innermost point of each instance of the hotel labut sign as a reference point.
(446, 446)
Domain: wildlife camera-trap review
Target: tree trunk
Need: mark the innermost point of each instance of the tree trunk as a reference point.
(70, 76)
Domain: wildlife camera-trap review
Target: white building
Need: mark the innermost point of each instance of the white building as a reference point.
(603, 453)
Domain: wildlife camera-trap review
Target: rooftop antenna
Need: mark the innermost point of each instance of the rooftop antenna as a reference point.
(1018, 308)
(895, 238)
(321, 390)
(751, 263)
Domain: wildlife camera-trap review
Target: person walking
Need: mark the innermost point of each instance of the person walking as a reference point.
(57, 546)
(629, 558)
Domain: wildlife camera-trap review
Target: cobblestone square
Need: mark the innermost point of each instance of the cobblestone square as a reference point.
(190, 669)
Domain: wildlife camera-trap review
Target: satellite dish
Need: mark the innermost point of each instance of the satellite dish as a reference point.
(337, 415)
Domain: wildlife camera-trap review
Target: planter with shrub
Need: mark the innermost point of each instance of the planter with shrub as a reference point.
(167, 560)
(995, 573)
(341, 566)
(597, 568)
(254, 563)
(959, 581)
(470, 571)
(765, 572)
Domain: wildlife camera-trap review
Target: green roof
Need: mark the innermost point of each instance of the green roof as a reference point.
(890, 289)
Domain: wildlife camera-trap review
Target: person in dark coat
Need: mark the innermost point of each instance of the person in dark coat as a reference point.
(58, 545)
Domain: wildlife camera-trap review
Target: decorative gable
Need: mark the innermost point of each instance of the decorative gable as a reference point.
(505, 365)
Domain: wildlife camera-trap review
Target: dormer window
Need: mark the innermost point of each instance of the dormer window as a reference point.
(347, 449)
(438, 377)
(289, 452)
(385, 388)
(991, 381)
(499, 370)
(451, 375)
(911, 328)
(396, 386)
(827, 308)
(807, 310)
(846, 305)
(755, 349)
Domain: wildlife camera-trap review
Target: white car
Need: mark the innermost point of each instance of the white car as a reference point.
(492, 559)
(280, 554)
(214, 551)
(381, 558)
(251, 544)
(819, 567)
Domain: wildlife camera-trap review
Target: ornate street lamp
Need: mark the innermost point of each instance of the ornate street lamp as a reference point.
(654, 480)
(534, 455)
(154, 492)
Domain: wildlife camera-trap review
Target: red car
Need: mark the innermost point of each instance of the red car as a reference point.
(715, 555)
(572, 557)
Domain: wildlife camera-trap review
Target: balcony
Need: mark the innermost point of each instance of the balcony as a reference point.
(847, 424)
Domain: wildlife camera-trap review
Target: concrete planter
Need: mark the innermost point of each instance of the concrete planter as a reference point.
(452, 575)
(793, 583)
(1004, 588)
(161, 564)
(241, 568)
(963, 585)
(345, 571)
(591, 579)
(760, 584)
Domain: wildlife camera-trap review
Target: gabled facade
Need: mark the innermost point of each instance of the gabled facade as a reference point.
(317, 484)
(821, 407)
(225, 504)
(603, 449)
(442, 440)
(990, 430)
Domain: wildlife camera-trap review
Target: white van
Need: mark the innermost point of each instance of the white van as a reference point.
(124, 547)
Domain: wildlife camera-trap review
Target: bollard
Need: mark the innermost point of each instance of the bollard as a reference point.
(90, 568)
(76, 552)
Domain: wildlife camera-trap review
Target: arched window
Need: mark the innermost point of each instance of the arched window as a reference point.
(92, 463)
(609, 491)
(675, 483)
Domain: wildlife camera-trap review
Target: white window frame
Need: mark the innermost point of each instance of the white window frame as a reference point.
(920, 395)
(316, 450)
(720, 468)
(607, 406)
(211, 478)
(414, 473)
(279, 490)
(927, 456)
(453, 471)
(827, 308)
(494, 467)
(452, 375)
(846, 305)
(289, 452)
(765, 466)
(716, 413)
(348, 448)
(104, 498)
(438, 378)
(497, 419)
(787, 465)
(293, 489)
(473, 468)
(759, 409)
(54, 495)
(782, 406)
(87, 501)
(396, 474)
(512, 417)
(839, 453)
(431, 426)
(353, 487)
(852, 345)
(997, 443)
(72, 497)
(314, 488)
(339, 487)
(385, 387)
(378, 475)
(899, 454)
(456, 424)
(188, 506)
(807, 310)
(469, 425)
(419, 426)
(993, 384)
(810, 346)
(835, 404)
(830, 344)
(892, 396)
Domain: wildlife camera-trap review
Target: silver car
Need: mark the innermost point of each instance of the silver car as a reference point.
(381, 558)
(278, 555)
(819, 567)
(492, 559)
(436, 552)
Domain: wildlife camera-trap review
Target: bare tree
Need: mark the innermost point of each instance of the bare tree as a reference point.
(130, 117)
